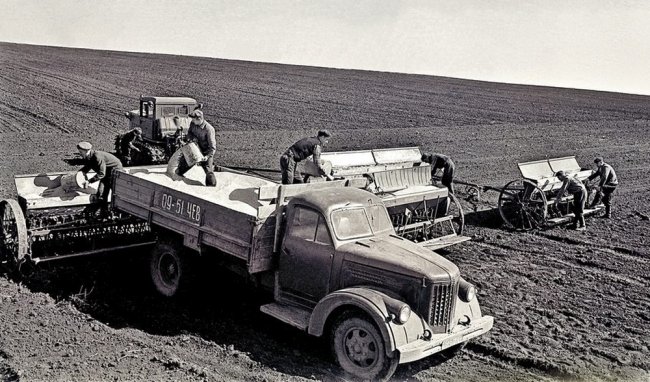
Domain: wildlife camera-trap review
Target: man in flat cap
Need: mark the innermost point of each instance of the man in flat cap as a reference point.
(103, 164)
(573, 186)
(606, 186)
(201, 132)
(440, 161)
(301, 150)
(127, 144)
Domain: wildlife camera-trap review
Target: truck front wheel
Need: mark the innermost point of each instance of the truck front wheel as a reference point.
(359, 349)
(165, 267)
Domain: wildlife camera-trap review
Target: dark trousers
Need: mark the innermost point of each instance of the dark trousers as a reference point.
(183, 167)
(126, 153)
(448, 175)
(604, 194)
(288, 168)
(104, 188)
(579, 199)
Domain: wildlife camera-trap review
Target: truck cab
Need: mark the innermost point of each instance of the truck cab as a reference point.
(383, 300)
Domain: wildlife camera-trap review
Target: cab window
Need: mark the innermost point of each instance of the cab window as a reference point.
(146, 108)
(309, 225)
(168, 111)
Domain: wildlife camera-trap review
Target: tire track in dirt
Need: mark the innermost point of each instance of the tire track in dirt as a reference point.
(80, 85)
(38, 117)
(500, 355)
(578, 264)
(627, 253)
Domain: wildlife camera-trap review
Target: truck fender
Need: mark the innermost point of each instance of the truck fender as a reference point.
(368, 300)
(471, 310)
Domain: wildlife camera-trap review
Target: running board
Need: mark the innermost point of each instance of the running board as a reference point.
(294, 316)
(444, 241)
(571, 216)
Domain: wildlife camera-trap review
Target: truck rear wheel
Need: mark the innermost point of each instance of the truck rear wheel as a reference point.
(359, 349)
(166, 269)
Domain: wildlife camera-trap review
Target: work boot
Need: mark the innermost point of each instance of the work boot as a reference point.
(581, 228)
(608, 213)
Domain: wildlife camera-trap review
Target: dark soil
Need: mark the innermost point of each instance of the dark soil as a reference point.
(567, 305)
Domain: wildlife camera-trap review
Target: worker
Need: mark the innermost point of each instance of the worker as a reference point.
(574, 187)
(179, 127)
(203, 134)
(606, 186)
(127, 144)
(103, 164)
(301, 150)
(175, 141)
(440, 161)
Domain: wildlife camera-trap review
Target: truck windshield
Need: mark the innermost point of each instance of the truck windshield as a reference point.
(355, 223)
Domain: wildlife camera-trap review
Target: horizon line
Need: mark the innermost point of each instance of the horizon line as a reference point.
(330, 67)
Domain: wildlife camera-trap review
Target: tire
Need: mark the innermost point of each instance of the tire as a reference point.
(166, 269)
(358, 347)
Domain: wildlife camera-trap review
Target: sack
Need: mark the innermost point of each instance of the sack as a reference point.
(192, 153)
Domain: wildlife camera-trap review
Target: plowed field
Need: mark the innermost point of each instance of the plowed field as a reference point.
(567, 305)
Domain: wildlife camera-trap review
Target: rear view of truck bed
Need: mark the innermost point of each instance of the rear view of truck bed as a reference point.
(229, 217)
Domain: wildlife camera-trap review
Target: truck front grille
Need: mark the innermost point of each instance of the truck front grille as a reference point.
(441, 306)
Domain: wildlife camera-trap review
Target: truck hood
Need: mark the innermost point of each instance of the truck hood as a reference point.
(400, 256)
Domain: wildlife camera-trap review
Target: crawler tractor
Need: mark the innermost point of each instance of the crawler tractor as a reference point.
(160, 138)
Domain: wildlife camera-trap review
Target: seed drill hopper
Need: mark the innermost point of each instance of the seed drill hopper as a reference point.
(48, 221)
(419, 210)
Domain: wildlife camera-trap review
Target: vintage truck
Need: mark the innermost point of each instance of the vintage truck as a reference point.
(327, 251)
(330, 255)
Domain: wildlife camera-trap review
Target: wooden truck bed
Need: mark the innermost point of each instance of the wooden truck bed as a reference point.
(229, 217)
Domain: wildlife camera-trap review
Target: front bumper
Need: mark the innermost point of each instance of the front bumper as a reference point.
(422, 348)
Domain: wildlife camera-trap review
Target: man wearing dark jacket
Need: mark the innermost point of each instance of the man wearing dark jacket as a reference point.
(103, 164)
(440, 161)
(127, 143)
(301, 150)
(574, 187)
(201, 132)
(606, 186)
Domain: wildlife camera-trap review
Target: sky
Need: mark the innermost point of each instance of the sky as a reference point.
(585, 44)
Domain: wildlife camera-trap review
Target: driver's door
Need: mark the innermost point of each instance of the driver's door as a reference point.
(306, 258)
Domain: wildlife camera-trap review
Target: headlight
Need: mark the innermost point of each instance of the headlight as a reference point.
(466, 291)
(404, 314)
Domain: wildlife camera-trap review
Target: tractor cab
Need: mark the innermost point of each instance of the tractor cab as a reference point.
(155, 115)
(160, 135)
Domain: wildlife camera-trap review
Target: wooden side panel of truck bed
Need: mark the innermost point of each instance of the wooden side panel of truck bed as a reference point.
(200, 222)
